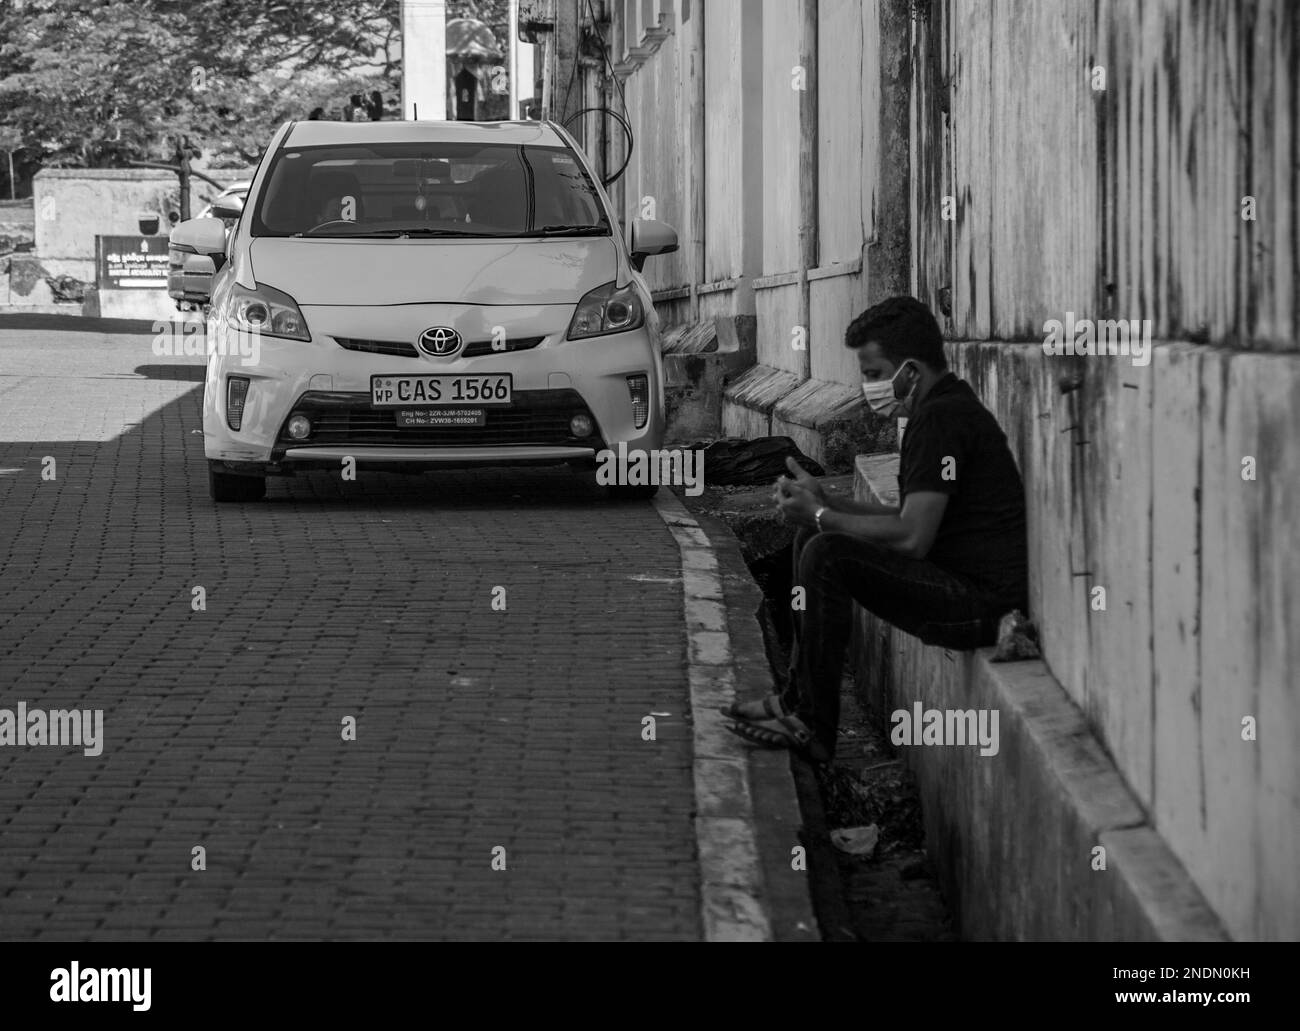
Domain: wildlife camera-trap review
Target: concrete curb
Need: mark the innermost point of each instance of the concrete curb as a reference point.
(803, 905)
(730, 778)
(731, 882)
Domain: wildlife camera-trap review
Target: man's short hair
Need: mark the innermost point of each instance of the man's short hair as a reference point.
(904, 328)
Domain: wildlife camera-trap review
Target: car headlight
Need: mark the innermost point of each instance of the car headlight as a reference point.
(607, 309)
(267, 311)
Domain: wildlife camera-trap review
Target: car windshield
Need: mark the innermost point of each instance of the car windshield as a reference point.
(427, 190)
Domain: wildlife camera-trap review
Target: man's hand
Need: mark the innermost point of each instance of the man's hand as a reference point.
(806, 481)
(797, 504)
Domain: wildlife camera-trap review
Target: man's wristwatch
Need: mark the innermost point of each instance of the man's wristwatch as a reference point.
(817, 518)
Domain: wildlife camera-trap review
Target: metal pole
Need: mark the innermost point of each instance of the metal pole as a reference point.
(514, 59)
(808, 213)
(548, 62)
(183, 173)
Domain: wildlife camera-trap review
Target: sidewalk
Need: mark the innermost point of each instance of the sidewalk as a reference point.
(476, 729)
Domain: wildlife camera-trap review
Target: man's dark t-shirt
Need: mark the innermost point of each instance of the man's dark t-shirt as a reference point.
(982, 534)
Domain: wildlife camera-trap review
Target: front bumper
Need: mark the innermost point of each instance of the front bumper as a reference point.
(535, 426)
(328, 380)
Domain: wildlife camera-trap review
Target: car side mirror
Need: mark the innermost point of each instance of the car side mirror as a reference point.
(650, 237)
(194, 248)
(228, 207)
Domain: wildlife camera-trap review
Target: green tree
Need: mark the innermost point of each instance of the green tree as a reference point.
(104, 82)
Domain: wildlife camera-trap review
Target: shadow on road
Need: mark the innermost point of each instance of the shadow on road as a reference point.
(187, 373)
(73, 323)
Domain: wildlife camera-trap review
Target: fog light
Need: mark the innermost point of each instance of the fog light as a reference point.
(580, 426)
(639, 388)
(299, 427)
(236, 392)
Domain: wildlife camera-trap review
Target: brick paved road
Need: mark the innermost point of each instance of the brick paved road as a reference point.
(370, 599)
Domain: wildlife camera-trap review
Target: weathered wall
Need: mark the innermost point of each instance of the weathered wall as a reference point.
(1202, 620)
(1117, 202)
(74, 205)
(725, 165)
(1123, 202)
(1126, 202)
(754, 189)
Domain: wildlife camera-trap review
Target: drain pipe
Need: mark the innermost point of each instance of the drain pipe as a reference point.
(808, 212)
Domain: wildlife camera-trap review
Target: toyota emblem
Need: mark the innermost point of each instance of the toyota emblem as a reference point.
(439, 340)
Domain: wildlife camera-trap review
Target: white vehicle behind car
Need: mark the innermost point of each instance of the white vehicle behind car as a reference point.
(229, 200)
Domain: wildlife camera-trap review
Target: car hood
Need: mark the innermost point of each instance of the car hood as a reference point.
(374, 272)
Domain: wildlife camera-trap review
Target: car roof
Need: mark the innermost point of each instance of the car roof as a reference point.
(319, 133)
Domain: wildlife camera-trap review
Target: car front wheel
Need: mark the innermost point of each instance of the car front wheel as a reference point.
(227, 487)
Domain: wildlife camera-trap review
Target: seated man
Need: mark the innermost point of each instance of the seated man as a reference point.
(945, 566)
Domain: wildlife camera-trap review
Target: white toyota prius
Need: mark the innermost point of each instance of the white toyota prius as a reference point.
(407, 295)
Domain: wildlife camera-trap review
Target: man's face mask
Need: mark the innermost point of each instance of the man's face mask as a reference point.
(882, 395)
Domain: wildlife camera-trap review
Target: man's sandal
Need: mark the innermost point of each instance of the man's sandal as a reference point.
(783, 732)
(768, 708)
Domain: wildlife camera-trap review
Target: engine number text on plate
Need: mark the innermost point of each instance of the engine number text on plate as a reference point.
(406, 391)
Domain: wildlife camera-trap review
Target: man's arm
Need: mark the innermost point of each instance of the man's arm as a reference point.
(938, 452)
(811, 484)
(909, 531)
(851, 507)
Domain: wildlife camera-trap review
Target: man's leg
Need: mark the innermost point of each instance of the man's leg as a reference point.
(790, 696)
(836, 569)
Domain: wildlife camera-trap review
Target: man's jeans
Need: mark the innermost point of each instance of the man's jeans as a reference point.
(915, 596)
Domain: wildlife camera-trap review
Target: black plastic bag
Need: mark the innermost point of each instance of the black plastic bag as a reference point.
(735, 460)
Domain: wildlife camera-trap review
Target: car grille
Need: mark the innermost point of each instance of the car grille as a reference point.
(401, 349)
(478, 348)
(538, 417)
(394, 347)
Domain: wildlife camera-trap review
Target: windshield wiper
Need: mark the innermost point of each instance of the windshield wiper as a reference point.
(439, 231)
(344, 236)
(600, 230)
(394, 234)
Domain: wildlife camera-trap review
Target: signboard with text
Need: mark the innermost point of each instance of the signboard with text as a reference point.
(131, 262)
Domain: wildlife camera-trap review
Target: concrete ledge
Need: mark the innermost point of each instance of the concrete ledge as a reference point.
(690, 338)
(153, 305)
(829, 421)
(826, 419)
(1013, 834)
(748, 402)
(72, 310)
(812, 405)
(699, 360)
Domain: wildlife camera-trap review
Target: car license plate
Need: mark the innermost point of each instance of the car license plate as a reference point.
(422, 417)
(439, 391)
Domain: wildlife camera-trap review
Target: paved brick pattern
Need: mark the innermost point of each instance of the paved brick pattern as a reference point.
(371, 599)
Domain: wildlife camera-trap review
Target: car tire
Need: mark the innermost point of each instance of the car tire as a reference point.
(225, 487)
(626, 493)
